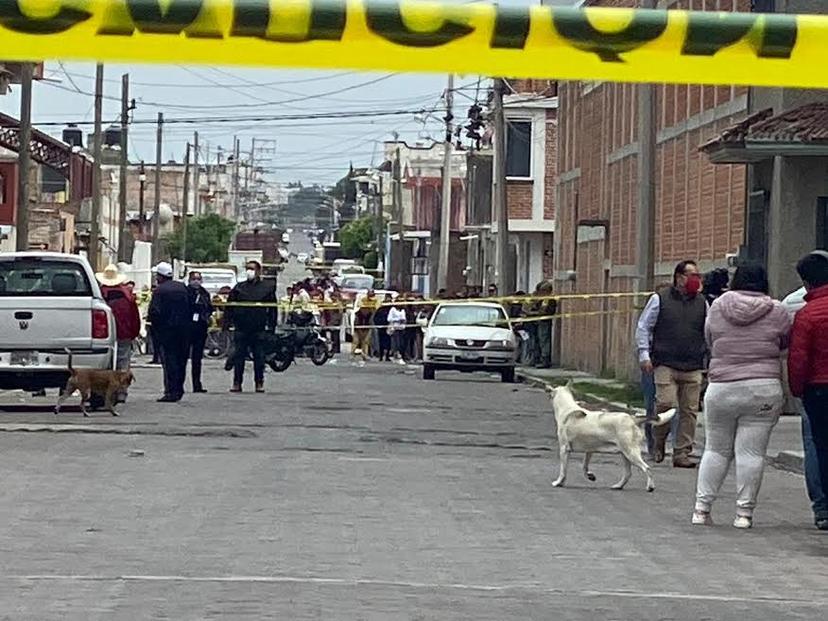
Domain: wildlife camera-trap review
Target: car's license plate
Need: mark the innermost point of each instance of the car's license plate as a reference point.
(469, 355)
(24, 358)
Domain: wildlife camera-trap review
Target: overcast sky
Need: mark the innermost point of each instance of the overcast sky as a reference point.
(312, 151)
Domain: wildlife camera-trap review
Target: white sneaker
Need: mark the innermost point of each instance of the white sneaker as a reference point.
(742, 521)
(702, 518)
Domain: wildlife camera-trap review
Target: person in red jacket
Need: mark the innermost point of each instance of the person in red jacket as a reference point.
(125, 310)
(808, 355)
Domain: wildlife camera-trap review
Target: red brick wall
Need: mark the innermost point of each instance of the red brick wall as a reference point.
(699, 207)
(519, 199)
(551, 165)
(8, 192)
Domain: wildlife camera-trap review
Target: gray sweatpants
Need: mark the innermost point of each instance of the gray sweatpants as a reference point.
(739, 418)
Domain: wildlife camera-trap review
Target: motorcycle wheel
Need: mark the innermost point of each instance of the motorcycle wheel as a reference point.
(319, 353)
(279, 365)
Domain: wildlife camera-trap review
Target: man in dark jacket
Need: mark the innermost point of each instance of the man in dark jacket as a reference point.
(170, 315)
(671, 348)
(250, 322)
(808, 358)
(202, 310)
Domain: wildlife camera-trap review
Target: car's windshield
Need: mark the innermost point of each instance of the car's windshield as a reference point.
(470, 315)
(357, 282)
(38, 277)
(217, 278)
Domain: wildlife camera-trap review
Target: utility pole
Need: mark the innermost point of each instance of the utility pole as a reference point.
(95, 228)
(380, 225)
(645, 258)
(156, 220)
(24, 157)
(235, 179)
(186, 204)
(142, 180)
(125, 244)
(196, 178)
(445, 199)
(499, 182)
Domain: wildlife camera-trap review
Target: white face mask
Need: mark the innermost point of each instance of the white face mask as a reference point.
(251, 274)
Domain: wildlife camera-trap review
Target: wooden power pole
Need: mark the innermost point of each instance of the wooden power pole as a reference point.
(24, 158)
(499, 195)
(185, 204)
(125, 242)
(95, 225)
(156, 219)
(445, 198)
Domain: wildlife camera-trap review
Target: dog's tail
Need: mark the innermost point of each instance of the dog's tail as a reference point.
(661, 419)
(69, 360)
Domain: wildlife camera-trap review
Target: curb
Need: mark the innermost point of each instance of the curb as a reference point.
(537, 382)
(790, 460)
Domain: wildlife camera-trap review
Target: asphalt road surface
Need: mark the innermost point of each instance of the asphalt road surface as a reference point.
(366, 493)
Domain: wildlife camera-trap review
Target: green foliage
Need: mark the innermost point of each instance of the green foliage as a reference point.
(208, 238)
(356, 237)
(370, 260)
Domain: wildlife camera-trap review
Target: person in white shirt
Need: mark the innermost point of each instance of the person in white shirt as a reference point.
(396, 327)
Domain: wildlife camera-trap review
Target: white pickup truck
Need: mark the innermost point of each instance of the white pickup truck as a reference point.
(50, 302)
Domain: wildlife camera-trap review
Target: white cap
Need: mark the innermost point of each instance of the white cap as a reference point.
(164, 269)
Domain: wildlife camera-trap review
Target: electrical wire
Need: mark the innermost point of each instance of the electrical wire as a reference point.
(256, 119)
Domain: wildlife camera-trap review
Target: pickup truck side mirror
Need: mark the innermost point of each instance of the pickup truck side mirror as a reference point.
(422, 322)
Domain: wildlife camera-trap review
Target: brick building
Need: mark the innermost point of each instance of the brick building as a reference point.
(699, 207)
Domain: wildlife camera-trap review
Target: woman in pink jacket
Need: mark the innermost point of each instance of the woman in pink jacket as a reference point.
(746, 332)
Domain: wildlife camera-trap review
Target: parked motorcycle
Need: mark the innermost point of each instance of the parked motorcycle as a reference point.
(301, 338)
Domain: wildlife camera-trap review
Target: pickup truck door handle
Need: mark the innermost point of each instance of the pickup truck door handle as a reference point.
(23, 315)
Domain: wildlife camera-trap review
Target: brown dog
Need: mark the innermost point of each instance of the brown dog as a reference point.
(104, 382)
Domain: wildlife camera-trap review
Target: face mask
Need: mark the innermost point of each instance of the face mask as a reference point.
(694, 285)
(195, 283)
(251, 274)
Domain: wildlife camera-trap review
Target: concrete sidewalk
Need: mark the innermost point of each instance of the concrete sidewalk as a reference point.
(785, 448)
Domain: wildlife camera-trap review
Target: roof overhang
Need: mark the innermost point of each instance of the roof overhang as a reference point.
(753, 152)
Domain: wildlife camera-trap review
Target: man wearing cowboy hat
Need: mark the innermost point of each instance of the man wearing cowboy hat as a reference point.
(125, 310)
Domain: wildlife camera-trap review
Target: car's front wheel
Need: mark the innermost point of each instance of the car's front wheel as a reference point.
(507, 376)
(428, 371)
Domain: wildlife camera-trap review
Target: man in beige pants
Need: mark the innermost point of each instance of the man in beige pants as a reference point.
(671, 346)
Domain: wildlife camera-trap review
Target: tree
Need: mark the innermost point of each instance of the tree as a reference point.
(356, 237)
(208, 238)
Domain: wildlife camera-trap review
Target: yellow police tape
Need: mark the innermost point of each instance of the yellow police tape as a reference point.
(517, 322)
(506, 300)
(595, 43)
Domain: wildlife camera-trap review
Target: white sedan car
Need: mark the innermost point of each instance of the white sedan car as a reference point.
(470, 336)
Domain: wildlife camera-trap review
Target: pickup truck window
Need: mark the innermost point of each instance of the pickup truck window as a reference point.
(43, 278)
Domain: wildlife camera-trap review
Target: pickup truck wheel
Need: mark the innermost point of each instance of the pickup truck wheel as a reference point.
(507, 376)
(428, 372)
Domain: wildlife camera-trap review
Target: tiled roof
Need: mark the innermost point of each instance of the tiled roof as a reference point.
(806, 125)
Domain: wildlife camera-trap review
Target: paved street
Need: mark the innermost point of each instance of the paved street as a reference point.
(348, 493)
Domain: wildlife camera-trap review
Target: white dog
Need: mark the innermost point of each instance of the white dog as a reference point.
(589, 432)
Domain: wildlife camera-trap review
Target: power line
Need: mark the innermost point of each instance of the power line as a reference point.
(246, 84)
(260, 119)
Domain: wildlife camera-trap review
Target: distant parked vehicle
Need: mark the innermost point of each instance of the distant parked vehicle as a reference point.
(214, 279)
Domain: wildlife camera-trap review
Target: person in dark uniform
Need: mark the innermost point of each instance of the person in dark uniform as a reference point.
(202, 310)
(170, 314)
(250, 323)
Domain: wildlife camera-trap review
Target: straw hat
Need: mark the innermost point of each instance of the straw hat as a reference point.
(111, 277)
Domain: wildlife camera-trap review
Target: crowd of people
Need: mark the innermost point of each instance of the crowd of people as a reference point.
(746, 340)
(711, 337)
